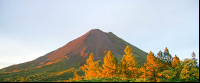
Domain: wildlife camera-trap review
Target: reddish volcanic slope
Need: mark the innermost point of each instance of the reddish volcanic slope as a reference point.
(95, 41)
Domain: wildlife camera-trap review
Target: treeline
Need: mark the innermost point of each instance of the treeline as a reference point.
(158, 68)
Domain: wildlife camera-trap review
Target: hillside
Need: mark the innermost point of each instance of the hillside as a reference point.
(68, 63)
(95, 41)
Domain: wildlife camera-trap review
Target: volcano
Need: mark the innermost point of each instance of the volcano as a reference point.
(77, 51)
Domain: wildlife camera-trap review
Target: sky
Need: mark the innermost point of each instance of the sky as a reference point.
(32, 28)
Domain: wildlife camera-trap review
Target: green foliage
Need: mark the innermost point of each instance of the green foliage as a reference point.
(76, 66)
(104, 79)
(46, 73)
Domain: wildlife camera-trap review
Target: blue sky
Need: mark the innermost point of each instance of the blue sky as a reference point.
(32, 28)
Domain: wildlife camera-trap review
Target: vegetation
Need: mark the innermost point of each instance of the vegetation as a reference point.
(157, 68)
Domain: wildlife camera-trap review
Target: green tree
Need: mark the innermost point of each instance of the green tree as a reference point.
(167, 56)
(194, 59)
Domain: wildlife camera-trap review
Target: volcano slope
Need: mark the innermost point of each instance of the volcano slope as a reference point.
(76, 52)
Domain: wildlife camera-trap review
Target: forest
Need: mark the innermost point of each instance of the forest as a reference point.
(160, 67)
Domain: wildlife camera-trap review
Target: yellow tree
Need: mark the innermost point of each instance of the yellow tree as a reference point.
(128, 64)
(91, 68)
(175, 61)
(189, 70)
(110, 66)
(142, 72)
(153, 66)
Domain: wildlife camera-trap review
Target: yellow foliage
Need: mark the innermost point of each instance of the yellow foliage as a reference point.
(188, 69)
(128, 64)
(91, 68)
(142, 72)
(153, 66)
(175, 61)
(110, 66)
(69, 70)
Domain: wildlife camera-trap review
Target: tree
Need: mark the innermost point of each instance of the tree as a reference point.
(153, 66)
(175, 61)
(110, 65)
(194, 59)
(128, 64)
(160, 55)
(142, 72)
(189, 72)
(91, 68)
(167, 56)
